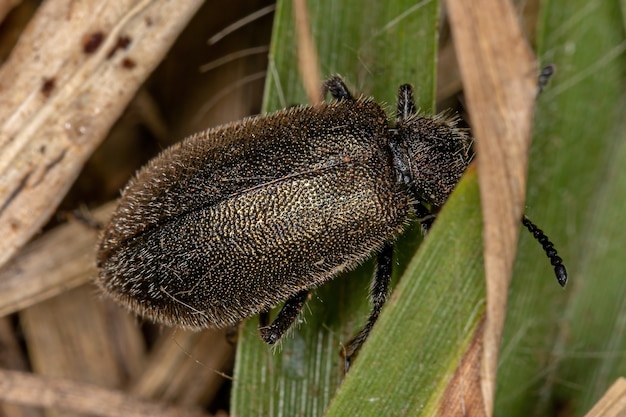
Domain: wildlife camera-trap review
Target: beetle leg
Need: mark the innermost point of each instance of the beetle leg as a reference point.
(264, 319)
(273, 332)
(424, 216)
(337, 88)
(378, 296)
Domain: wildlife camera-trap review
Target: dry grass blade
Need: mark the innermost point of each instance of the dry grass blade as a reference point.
(178, 361)
(72, 336)
(72, 73)
(458, 399)
(6, 6)
(308, 63)
(613, 404)
(56, 262)
(40, 391)
(499, 75)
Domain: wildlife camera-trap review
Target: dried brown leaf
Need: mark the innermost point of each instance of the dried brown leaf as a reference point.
(56, 262)
(72, 73)
(613, 403)
(28, 389)
(499, 74)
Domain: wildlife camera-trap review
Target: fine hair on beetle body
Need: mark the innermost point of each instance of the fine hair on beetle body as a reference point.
(237, 219)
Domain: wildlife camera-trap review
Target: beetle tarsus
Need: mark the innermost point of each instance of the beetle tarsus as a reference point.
(337, 88)
(287, 315)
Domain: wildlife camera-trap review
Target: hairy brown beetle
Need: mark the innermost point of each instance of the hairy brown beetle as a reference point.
(237, 219)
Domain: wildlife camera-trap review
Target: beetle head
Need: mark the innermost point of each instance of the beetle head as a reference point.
(430, 155)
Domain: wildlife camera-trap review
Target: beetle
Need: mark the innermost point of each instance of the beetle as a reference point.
(234, 220)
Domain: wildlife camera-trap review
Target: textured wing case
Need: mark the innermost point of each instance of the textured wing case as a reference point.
(233, 220)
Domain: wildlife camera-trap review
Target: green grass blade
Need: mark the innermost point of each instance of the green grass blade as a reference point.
(563, 348)
(430, 323)
(375, 46)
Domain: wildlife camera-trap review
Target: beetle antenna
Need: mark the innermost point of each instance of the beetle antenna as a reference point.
(544, 76)
(559, 269)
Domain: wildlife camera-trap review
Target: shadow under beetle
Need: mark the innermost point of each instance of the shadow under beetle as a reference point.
(237, 219)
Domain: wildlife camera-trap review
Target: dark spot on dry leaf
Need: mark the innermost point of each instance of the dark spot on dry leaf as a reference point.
(122, 43)
(55, 161)
(15, 226)
(47, 86)
(16, 192)
(128, 63)
(92, 42)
